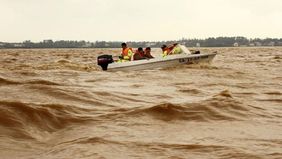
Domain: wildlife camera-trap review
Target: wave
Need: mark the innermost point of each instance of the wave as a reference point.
(5, 81)
(205, 66)
(273, 93)
(91, 140)
(64, 64)
(277, 57)
(164, 149)
(271, 100)
(21, 120)
(219, 107)
(192, 91)
(41, 82)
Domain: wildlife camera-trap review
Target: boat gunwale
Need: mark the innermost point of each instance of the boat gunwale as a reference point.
(161, 61)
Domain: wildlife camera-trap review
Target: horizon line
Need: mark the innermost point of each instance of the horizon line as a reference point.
(183, 38)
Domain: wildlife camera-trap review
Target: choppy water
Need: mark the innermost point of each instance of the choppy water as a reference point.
(56, 103)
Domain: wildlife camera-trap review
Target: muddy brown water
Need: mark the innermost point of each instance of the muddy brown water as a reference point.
(56, 103)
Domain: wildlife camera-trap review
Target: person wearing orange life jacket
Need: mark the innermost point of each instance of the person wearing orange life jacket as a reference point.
(126, 53)
(139, 54)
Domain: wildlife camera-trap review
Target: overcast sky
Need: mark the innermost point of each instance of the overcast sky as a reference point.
(140, 20)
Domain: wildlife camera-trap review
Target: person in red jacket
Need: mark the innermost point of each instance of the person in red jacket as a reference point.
(139, 54)
(172, 49)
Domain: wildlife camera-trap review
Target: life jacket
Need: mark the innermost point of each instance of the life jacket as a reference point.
(127, 54)
(176, 50)
(167, 51)
(139, 55)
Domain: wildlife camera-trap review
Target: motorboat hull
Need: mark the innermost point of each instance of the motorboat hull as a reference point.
(161, 62)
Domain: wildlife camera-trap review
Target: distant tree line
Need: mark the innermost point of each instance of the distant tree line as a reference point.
(209, 42)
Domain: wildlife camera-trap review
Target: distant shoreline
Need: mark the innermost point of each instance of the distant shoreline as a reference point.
(192, 48)
(209, 42)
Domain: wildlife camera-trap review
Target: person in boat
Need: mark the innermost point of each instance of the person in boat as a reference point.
(126, 53)
(139, 54)
(148, 53)
(167, 50)
(170, 50)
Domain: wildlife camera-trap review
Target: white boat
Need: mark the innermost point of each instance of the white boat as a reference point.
(106, 61)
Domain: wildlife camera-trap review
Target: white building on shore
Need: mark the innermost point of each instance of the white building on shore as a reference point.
(236, 45)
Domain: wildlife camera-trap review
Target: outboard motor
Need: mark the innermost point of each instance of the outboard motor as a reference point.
(104, 61)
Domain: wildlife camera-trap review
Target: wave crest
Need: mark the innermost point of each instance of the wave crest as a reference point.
(21, 120)
(219, 107)
(5, 81)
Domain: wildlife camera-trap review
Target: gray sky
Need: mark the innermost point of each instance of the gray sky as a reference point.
(148, 20)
